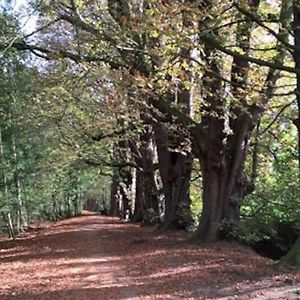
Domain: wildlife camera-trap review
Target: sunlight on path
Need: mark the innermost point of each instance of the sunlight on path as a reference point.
(95, 257)
(67, 262)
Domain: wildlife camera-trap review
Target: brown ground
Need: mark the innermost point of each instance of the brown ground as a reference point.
(96, 257)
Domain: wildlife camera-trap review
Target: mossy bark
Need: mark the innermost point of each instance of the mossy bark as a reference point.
(293, 256)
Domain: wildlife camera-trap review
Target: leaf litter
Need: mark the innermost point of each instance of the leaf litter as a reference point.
(98, 257)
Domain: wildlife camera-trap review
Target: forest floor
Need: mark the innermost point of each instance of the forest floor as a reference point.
(97, 257)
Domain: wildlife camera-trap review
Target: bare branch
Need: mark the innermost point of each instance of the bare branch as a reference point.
(279, 113)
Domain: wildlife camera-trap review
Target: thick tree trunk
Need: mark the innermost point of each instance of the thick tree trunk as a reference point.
(180, 193)
(147, 151)
(222, 194)
(147, 194)
(296, 28)
(213, 201)
(222, 160)
(293, 256)
(175, 170)
(175, 161)
(176, 192)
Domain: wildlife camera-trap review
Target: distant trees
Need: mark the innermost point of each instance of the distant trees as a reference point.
(38, 178)
(14, 165)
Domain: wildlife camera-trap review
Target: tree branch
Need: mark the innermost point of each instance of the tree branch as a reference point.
(51, 54)
(252, 17)
(215, 43)
(276, 117)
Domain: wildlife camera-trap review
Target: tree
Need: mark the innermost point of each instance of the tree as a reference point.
(293, 256)
(228, 127)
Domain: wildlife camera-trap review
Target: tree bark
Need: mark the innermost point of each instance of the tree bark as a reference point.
(296, 29)
(125, 210)
(175, 171)
(147, 194)
(223, 189)
(293, 256)
(9, 225)
(3, 167)
(138, 214)
(147, 153)
(222, 162)
(114, 195)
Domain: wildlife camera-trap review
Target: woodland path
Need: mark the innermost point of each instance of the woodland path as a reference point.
(96, 257)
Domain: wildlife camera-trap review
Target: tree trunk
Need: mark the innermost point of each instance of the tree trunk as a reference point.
(139, 198)
(20, 217)
(3, 168)
(147, 194)
(76, 206)
(151, 191)
(21, 221)
(293, 256)
(55, 215)
(125, 210)
(9, 224)
(68, 207)
(177, 203)
(175, 160)
(6, 216)
(296, 28)
(222, 191)
(175, 171)
(114, 195)
(222, 160)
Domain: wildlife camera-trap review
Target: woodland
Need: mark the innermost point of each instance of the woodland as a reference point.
(180, 114)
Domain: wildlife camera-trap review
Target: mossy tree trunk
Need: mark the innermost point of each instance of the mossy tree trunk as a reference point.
(293, 256)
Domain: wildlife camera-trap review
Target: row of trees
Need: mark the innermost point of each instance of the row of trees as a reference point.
(38, 180)
(160, 95)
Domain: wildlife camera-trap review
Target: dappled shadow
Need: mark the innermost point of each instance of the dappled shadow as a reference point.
(44, 245)
(146, 291)
(96, 257)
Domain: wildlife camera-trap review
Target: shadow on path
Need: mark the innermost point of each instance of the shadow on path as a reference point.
(96, 257)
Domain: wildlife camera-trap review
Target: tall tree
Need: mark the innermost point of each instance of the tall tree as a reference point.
(293, 256)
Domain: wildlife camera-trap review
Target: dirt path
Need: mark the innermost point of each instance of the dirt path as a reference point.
(95, 257)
